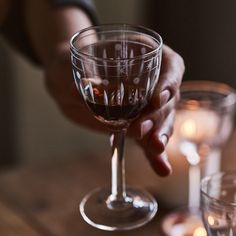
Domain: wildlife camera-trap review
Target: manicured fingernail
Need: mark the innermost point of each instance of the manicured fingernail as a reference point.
(164, 97)
(146, 126)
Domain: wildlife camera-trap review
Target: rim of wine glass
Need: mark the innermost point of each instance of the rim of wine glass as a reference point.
(207, 180)
(128, 26)
(207, 85)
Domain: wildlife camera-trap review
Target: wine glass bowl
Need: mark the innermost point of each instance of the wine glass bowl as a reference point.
(205, 114)
(116, 68)
(204, 121)
(218, 193)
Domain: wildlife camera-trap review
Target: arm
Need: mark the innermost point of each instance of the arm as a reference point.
(50, 29)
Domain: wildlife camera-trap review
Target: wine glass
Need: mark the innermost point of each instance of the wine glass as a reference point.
(204, 120)
(116, 68)
(218, 193)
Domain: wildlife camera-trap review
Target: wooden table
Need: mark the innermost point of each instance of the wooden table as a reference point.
(42, 200)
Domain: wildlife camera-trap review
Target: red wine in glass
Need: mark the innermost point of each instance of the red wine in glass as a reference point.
(117, 93)
(116, 69)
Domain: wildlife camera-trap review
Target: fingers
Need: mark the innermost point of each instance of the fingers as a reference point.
(60, 85)
(172, 71)
(154, 145)
(165, 95)
(151, 118)
(155, 126)
(157, 140)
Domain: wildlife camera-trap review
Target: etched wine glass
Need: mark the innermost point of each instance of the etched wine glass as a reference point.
(116, 68)
(218, 203)
(204, 121)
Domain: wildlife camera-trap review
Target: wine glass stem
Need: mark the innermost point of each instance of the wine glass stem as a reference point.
(118, 189)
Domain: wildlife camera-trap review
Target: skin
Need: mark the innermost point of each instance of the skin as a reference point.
(50, 37)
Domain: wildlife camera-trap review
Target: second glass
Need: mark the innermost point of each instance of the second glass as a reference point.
(204, 121)
(218, 193)
(116, 68)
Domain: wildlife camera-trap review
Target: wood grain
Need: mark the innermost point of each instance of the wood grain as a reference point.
(47, 197)
(12, 224)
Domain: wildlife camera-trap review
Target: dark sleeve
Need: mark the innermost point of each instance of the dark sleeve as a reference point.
(18, 36)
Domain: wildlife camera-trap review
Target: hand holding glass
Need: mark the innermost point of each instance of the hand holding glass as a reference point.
(116, 68)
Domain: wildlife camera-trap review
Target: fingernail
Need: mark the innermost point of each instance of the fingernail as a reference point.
(164, 139)
(164, 97)
(146, 126)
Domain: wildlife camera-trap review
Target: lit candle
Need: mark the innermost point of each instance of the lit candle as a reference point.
(197, 126)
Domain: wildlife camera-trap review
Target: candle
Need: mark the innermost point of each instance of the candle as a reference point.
(194, 183)
(196, 129)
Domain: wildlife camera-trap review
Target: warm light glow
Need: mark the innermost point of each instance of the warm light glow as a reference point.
(210, 220)
(198, 126)
(199, 231)
(189, 128)
(192, 105)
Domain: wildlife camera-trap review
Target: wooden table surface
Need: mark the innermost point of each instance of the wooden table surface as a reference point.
(42, 200)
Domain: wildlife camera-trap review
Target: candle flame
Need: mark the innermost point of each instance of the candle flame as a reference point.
(192, 104)
(210, 220)
(189, 128)
(199, 231)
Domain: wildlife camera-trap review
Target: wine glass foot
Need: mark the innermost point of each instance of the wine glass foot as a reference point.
(137, 210)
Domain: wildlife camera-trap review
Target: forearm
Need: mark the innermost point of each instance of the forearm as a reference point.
(50, 28)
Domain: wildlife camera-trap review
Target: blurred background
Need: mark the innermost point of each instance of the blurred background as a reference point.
(31, 127)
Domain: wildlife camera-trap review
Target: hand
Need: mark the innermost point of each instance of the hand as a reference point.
(50, 36)
(155, 126)
(152, 129)
(61, 86)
